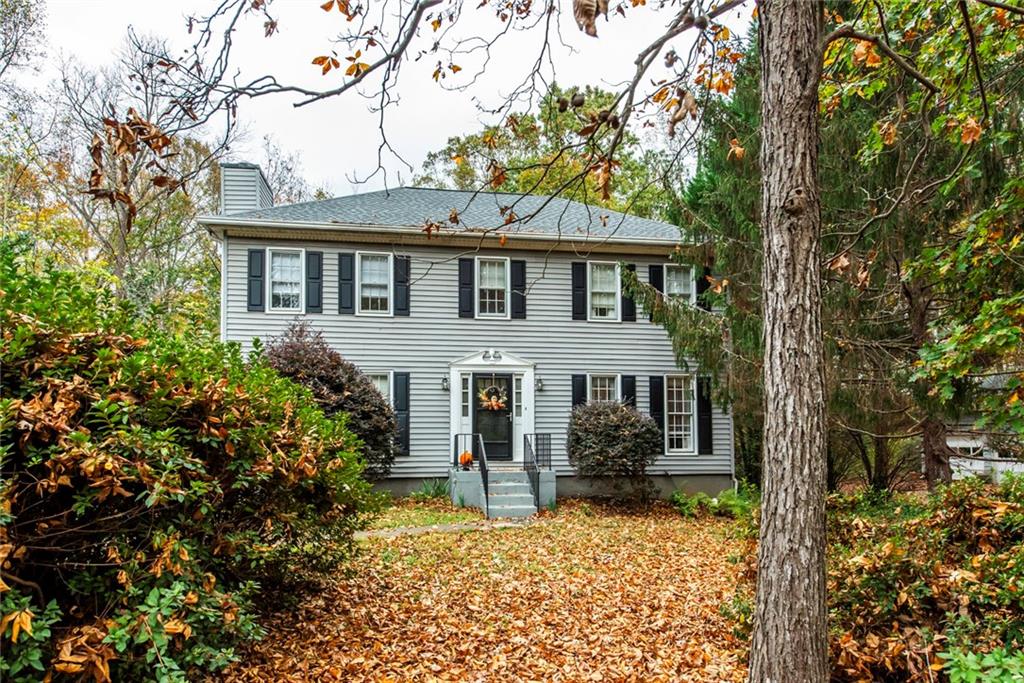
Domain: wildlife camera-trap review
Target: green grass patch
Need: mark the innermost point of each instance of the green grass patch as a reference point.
(416, 513)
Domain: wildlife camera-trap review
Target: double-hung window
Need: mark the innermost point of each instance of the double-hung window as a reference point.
(285, 280)
(382, 383)
(679, 283)
(603, 388)
(603, 291)
(680, 401)
(374, 283)
(492, 292)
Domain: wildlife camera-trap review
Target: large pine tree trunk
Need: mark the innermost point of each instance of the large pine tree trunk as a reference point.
(935, 450)
(937, 468)
(790, 642)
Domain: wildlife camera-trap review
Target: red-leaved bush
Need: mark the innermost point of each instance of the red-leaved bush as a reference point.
(338, 386)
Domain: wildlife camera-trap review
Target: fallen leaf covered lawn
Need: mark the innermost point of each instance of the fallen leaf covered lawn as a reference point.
(407, 512)
(588, 593)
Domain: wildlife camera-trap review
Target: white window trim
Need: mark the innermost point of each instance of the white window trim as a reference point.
(693, 441)
(693, 281)
(270, 280)
(508, 288)
(618, 293)
(391, 382)
(465, 395)
(391, 284)
(618, 384)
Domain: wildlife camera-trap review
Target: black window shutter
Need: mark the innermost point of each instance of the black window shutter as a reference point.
(518, 277)
(346, 283)
(401, 380)
(702, 286)
(628, 305)
(314, 282)
(579, 390)
(704, 416)
(466, 278)
(255, 279)
(656, 276)
(629, 390)
(579, 290)
(402, 273)
(657, 385)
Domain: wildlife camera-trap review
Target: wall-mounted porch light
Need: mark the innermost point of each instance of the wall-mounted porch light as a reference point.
(445, 384)
(538, 384)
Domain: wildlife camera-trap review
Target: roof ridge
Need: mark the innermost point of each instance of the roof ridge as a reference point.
(452, 189)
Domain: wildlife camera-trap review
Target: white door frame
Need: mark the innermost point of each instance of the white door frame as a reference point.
(491, 360)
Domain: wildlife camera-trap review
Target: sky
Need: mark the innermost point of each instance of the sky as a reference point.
(337, 139)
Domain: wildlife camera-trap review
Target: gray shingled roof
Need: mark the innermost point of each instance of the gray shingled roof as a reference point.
(414, 206)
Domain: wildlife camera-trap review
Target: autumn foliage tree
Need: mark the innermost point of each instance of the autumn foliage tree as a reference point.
(801, 47)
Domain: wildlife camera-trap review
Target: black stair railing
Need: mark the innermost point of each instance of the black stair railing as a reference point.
(473, 443)
(536, 456)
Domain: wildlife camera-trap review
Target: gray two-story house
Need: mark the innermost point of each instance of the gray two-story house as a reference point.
(471, 326)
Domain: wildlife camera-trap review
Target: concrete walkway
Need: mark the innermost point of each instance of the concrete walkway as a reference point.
(482, 525)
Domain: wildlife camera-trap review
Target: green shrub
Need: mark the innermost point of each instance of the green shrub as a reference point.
(431, 489)
(339, 387)
(736, 504)
(690, 506)
(609, 439)
(151, 486)
(25, 651)
(971, 667)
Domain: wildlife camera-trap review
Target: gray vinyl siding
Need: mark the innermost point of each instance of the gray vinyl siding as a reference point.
(243, 189)
(433, 335)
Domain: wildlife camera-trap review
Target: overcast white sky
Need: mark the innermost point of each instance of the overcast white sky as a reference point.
(338, 138)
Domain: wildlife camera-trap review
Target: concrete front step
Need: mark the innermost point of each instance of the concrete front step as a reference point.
(508, 477)
(508, 486)
(511, 499)
(496, 511)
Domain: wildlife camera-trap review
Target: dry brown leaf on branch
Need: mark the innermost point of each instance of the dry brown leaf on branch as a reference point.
(736, 151)
(970, 132)
(586, 13)
(684, 103)
(497, 174)
(603, 172)
(839, 264)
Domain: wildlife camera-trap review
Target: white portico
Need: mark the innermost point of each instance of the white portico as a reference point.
(492, 393)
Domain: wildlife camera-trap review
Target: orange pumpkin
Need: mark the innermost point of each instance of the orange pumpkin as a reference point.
(465, 458)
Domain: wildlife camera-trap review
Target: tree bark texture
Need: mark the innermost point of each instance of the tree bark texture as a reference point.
(935, 451)
(937, 468)
(790, 638)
